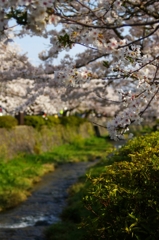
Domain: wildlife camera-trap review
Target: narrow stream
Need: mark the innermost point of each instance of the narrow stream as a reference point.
(43, 207)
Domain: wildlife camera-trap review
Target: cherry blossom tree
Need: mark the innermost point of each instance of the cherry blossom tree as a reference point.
(121, 48)
(13, 64)
(22, 95)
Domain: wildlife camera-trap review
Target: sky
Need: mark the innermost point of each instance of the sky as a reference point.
(34, 45)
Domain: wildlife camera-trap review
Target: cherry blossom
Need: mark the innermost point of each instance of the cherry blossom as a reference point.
(121, 51)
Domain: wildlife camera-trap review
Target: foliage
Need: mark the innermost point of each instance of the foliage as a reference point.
(145, 146)
(123, 200)
(38, 121)
(120, 51)
(8, 122)
(120, 198)
(66, 231)
(72, 121)
(19, 15)
(65, 40)
(156, 125)
(34, 121)
(51, 121)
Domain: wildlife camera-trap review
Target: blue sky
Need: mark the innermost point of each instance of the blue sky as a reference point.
(33, 45)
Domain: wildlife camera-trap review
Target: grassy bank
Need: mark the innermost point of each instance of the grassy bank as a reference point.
(118, 199)
(18, 175)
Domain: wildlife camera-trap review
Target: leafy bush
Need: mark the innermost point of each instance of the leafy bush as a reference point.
(156, 125)
(34, 121)
(146, 146)
(38, 121)
(72, 121)
(8, 122)
(52, 121)
(123, 202)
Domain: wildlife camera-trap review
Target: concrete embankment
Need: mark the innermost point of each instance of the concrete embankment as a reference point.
(26, 139)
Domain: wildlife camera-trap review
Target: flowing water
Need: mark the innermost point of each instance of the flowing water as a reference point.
(29, 220)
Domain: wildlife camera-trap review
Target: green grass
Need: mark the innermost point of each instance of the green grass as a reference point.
(79, 150)
(17, 178)
(18, 175)
(64, 231)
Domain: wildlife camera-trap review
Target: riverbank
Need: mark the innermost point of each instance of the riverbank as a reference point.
(28, 220)
(29, 152)
(19, 175)
(22, 177)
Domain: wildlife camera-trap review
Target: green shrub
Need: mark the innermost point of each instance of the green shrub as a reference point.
(8, 122)
(52, 121)
(72, 121)
(156, 125)
(67, 231)
(38, 121)
(34, 121)
(146, 146)
(123, 202)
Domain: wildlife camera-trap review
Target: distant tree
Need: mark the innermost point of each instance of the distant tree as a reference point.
(121, 41)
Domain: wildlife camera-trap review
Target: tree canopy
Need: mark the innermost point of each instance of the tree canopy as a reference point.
(121, 52)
